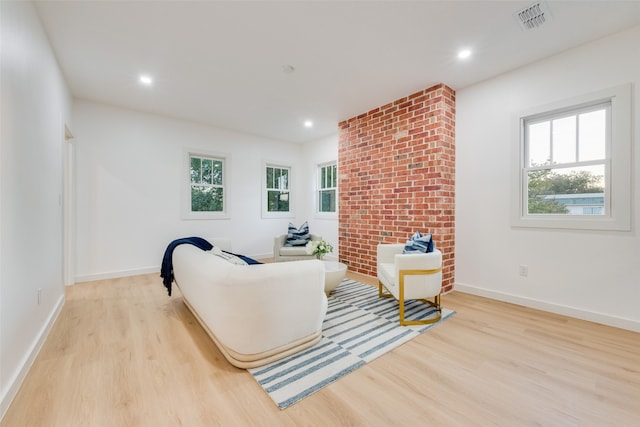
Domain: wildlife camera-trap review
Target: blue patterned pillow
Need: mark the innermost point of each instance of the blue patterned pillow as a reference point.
(298, 236)
(418, 244)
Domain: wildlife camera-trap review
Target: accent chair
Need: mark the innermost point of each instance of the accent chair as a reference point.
(281, 252)
(412, 276)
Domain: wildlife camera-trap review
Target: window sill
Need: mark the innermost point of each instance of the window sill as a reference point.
(205, 215)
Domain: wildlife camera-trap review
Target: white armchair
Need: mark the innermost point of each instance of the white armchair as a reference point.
(410, 277)
(291, 253)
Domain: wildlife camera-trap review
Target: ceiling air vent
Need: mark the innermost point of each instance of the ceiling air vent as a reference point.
(533, 16)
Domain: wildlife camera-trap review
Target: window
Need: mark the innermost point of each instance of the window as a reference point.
(327, 187)
(277, 189)
(566, 160)
(207, 186)
(574, 164)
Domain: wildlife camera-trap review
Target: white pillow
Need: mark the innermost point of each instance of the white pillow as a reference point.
(227, 257)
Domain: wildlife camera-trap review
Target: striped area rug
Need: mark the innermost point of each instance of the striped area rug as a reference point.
(358, 328)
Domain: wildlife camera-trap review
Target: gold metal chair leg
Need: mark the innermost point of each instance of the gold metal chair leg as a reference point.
(421, 322)
(401, 301)
(381, 292)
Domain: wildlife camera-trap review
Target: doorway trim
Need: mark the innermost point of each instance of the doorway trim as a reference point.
(68, 209)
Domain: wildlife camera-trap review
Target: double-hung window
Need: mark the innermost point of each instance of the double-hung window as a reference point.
(327, 187)
(207, 186)
(574, 164)
(567, 166)
(277, 191)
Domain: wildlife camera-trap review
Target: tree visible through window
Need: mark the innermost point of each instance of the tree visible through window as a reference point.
(566, 161)
(207, 184)
(277, 187)
(327, 187)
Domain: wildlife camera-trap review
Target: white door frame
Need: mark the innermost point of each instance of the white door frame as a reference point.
(68, 209)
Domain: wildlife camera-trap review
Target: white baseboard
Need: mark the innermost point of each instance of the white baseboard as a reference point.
(605, 319)
(20, 375)
(116, 274)
(137, 271)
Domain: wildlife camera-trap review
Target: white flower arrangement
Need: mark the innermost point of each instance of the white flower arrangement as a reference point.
(319, 248)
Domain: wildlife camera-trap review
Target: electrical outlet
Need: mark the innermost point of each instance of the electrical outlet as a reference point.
(524, 270)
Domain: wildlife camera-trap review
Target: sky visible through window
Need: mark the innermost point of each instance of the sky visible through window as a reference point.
(566, 140)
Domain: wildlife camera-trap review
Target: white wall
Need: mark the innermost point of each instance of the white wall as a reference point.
(129, 172)
(315, 153)
(35, 107)
(592, 275)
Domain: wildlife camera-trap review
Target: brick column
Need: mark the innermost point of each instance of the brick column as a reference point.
(396, 169)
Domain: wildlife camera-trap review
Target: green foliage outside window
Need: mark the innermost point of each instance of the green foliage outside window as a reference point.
(277, 183)
(328, 183)
(277, 201)
(207, 191)
(546, 182)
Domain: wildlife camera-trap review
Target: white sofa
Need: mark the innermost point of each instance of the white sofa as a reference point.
(255, 314)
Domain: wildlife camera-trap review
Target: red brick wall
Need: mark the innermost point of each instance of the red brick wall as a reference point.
(396, 168)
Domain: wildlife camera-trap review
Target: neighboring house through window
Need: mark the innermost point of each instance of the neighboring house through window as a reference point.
(574, 164)
(327, 187)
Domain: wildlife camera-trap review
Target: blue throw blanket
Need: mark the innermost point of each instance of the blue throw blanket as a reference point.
(166, 271)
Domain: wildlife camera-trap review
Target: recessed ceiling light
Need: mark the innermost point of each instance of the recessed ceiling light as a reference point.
(308, 123)
(145, 80)
(464, 54)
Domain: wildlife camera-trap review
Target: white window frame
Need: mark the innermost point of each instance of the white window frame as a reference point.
(319, 188)
(265, 190)
(187, 213)
(617, 166)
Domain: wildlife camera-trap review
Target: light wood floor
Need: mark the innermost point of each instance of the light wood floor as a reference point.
(123, 353)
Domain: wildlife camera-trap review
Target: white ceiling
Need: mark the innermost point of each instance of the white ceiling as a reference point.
(220, 62)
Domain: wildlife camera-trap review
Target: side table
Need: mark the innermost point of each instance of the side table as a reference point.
(334, 272)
